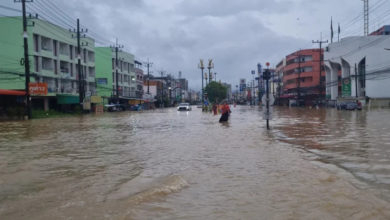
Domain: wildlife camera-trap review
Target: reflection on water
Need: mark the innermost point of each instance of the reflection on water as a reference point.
(164, 164)
(358, 142)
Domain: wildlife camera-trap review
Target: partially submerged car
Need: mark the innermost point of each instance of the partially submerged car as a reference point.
(184, 107)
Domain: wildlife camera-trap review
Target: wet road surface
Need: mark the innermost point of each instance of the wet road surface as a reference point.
(163, 164)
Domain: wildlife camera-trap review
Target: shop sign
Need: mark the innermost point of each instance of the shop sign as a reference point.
(38, 88)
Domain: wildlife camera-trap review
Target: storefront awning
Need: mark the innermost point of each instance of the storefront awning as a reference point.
(287, 96)
(12, 92)
(63, 99)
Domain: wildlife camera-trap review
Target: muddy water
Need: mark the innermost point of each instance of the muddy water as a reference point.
(163, 164)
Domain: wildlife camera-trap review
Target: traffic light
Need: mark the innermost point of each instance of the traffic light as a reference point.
(267, 75)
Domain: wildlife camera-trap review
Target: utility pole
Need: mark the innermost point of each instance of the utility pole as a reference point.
(266, 77)
(299, 79)
(205, 77)
(148, 65)
(215, 76)
(28, 111)
(254, 91)
(116, 48)
(259, 71)
(81, 77)
(162, 89)
(320, 86)
(356, 82)
(79, 67)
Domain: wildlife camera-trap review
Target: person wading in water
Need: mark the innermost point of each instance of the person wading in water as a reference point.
(225, 112)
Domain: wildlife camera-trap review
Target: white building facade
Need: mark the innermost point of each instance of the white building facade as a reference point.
(358, 68)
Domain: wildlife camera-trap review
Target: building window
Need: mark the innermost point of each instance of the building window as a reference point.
(71, 52)
(307, 69)
(55, 67)
(46, 43)
(91, 71)
(36, 43)
(91, 56)
(47, 64)
(55, 52)
(307, 58)
(85, 55)
(36, 64)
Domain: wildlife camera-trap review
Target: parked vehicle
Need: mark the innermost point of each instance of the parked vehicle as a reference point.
(351, 106)
(341, 105)
(114, 107)
(184, 107)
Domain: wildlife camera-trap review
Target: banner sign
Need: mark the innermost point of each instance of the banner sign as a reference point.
(37, 88)
(346, 87)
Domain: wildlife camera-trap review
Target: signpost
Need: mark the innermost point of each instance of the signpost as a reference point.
(266, 77)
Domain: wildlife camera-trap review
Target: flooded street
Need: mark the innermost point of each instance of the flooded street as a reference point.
(164, 164)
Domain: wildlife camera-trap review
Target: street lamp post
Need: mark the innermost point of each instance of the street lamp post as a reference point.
(253, 87)
(201, 66)
(210, 66)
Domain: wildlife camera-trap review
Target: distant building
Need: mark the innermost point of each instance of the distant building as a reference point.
(139, 79)
(384, 30)
(359, 68)
(301, 76)
(279, 73)
(228, 91)
(106, 77)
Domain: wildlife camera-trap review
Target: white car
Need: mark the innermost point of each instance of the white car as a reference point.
(184, 107)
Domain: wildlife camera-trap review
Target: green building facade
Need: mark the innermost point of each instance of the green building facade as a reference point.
(106, 75)
(53, 61)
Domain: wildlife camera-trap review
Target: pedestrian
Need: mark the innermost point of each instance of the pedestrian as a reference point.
(225, 112)
(215, 109)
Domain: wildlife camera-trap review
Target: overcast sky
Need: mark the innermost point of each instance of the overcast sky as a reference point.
(236, 34)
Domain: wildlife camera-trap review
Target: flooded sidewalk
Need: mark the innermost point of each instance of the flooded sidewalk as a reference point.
(164, 164)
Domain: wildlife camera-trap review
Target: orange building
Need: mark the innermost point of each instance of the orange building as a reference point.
(301, 76)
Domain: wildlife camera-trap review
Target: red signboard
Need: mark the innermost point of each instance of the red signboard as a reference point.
(38, 88)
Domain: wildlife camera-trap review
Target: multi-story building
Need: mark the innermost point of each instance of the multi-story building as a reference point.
(53, 59)
(106, 75)
(358, 68)
(301, 76)
(280, 98)
(384, 30)
(228, 91)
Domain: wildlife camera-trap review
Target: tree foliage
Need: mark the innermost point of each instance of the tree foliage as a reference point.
(216, 92)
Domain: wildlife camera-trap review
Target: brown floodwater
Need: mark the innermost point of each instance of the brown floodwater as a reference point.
(164, 164)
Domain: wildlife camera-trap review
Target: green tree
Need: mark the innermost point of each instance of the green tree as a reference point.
(216, 92)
